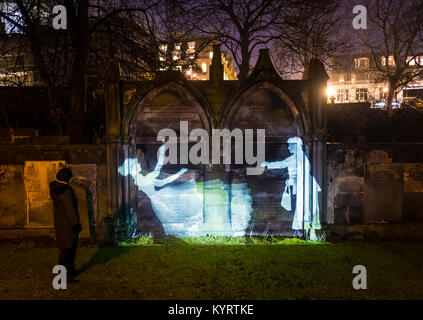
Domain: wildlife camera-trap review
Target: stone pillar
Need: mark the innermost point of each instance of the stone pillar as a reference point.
(307, 182)
(112, 139)
(317, 78)
(216, 67)
(125, 181)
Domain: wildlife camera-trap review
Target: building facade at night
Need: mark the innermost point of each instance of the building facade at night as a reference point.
(355, 78)
(194, 58)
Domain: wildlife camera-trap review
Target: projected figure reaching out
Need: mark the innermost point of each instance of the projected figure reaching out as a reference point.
(169, 202)
(180, 207)
(149, 182)
(295, 166)
(302, 184)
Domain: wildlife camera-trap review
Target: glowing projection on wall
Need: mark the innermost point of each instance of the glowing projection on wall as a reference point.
(297, 187)
(192, 208)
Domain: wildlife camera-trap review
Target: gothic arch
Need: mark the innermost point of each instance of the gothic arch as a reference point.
(297, 110)
(183, 92)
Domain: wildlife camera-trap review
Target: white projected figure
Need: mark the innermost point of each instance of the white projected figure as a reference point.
(180, 207)
(294, 165)
(171, 204)
(149, 182)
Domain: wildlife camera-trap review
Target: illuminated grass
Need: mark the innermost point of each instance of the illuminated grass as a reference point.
(264, 268)
(148, 240)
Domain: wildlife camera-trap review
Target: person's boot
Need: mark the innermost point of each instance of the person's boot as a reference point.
(71, 273)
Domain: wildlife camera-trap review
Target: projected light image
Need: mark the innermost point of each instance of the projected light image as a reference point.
(191, 208)
(297, 189)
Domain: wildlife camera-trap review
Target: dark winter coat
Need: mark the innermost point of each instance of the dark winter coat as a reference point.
(66, 216)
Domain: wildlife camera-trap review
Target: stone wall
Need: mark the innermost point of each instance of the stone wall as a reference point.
(374, 190)
(88, 163)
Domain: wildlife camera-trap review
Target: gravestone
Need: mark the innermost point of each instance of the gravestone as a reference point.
(37, 177)
(383, 192)
(84, 178)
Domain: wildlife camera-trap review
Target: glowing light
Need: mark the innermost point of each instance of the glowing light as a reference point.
(385, 89)
(192, 209)
(298, 189)
(188, 208)
(330, 91)
(379, 104)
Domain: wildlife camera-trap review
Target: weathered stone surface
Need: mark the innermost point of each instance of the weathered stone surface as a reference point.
(355, 215)
(13, 196)
(383, 193)
(413, 208)
(351, 185)
(377, 156)
(85, 183)
(382, 231)
(348, 200)
(340, 216)
(37, 178)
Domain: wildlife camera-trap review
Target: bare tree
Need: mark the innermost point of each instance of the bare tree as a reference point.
(309, 30)
(61, 57)
(394, 38)
(98, 30)
(241, 25)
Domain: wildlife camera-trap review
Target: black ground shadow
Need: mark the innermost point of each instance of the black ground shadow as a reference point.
(102, 256)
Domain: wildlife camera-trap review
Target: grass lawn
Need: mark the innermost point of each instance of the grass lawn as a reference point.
(216, 268)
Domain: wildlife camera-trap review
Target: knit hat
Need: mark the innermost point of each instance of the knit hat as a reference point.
(64, 174)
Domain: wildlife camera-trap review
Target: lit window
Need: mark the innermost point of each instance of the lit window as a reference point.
(163, 47)
(361, 94)
(391, 61)
(361, 63)
(178, 68)
(177, 46)
(204, 67)
(412, 61)
(342, 95)
(176, 55)
(162, 59)
(191, 45)
(211, 54)
(383, 93)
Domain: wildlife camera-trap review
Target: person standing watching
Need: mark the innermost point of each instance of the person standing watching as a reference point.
(66, 220)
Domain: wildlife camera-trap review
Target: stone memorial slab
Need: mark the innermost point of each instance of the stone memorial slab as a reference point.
(37, 177)
(84, 183)
(383, 192)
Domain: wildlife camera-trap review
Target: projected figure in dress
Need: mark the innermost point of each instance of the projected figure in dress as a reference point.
(303, 185)
(294, 164)
(171, 203)
(180, 207)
